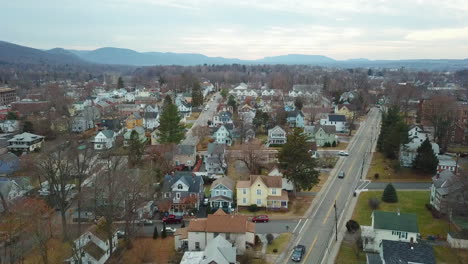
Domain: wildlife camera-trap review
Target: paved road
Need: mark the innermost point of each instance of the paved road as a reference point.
(202, 120)
(319, 226)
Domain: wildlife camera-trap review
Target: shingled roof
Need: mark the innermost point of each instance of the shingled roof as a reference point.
(395, 221)
(398, 252)
(269, 181)
(221, 222)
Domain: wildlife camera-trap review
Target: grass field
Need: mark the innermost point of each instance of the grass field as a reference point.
(297, 207)
(446, 255)
(279, 243)
(347, 255)
(384, 167)
(147, 250)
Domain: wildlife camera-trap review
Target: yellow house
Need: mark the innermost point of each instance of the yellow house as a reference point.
(346, 110)
(264, 191)
(133, 121)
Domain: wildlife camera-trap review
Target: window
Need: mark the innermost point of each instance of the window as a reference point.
(215, 234)
(224, 193)
(259, 201)
(197, 245)
(244, 200)
(273, 191)
(178, 195)
(259, 192)
(217, 192)
(180, 187)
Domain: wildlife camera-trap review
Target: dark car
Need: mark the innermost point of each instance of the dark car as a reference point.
(341, 174)
(298, 252)
(173, 219)
(260, 218)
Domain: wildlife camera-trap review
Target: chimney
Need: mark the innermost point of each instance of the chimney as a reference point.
(438, 175)
(398, 211)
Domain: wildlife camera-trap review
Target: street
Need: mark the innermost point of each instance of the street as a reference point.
(318, 227)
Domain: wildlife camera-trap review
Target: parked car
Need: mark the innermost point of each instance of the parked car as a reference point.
(169, 230)
(260, 218)
(145, 222)
(341, 174)
(343, 153)
(120, 233)
(298, 252)
(172, 219)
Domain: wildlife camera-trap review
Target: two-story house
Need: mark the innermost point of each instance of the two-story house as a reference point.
(286, 184)
(222, 118)
(394, 226)
(237, 229)
(222, 191)
(295, 118)
(25, 142)
(93, 246)
(184, 108)
(321, 134)
(339, 121)
(409, 151)
(133, 121)
(397, 252)
(151, 117)
(104, 139)
(276, 136)
(264, 191)
(215, 163)
(346, 110)
(183, 190)
(442, 184)
(223, 136)
(9, 126)
(185, 155)
(217, 251)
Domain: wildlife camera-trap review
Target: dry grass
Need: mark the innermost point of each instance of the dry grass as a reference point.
(446, 255)
(203, 145)
(347, 254)
(147, 250)
(57, 253)
(279, 243)
(297, 207)
(194, 116)
(322, 180)
(340, 146)
(385, 168)
(234, 174)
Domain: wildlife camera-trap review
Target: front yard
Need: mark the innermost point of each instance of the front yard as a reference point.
(386, 169)
(340, 146)
(194, 116)
(297, 207)
(279, 243)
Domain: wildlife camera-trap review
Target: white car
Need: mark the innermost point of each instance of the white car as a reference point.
(343, 153)
(169, 230)
(205, 201)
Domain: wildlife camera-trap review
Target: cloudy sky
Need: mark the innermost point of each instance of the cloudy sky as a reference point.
(245, 29)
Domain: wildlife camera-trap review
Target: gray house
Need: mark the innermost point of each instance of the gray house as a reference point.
(183, 190)
(222, 193)
(86, 119)
(397, 252)
(215, 163)
(295, 118)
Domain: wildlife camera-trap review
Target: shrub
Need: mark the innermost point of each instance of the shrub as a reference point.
(164, 233)
(428, 207)
(155, 232)
(376, 176)
(269, 238)
(275, 250)
(253, 208)
(183, 224)
(326, 145)
(333, 144)
(390, 194)
(352, 226)
(374, 203)
(257, 240)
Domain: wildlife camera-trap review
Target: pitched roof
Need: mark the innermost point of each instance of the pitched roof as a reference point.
(269, 181)
(94, 250)
(226, 181)
(222, 223)
(398, 252)
(219, 250)
(185, 150)
(26, 137)
(441, 179)
(295, 113)
(283, 197)
(182, 232)
(107, 133)
(337, 118)
(395, 221)
(187, 177)
(328, 129)
(215, 148)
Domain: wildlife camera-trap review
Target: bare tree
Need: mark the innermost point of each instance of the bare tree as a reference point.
(441, 113)
(201, 132)
(252, 154)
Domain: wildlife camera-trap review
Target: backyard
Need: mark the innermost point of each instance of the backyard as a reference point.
(148, 250)
(385, 168)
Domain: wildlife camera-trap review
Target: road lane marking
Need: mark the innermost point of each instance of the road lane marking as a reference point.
(305, 223)
(310, 249)
(332, 206)
(294, 230)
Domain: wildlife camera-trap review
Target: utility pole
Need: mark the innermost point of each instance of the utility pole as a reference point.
(336, 223)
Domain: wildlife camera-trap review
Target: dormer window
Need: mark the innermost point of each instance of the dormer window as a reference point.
(180, 187)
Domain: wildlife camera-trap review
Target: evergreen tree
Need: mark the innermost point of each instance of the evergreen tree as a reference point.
(232, 102)
(390, 195)
(224, 92)
(393, 133)
(197, 95)
(298, 103)
(426, 160)
(12, 116)
(120, 83)
(136, 148)
(164, 233)
(28, 127)
(296, 163)
(258, 119)
(170, 128)
(333, 144)
(155, 232)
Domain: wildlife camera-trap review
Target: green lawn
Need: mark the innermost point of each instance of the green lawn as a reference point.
(446, 255)
(385, 168)
(189, 125)
(457, 149)
(346, 255)
(409, 202)
(279, 243)
(207, 191)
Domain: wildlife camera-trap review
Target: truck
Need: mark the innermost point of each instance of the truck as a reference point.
(172, 219)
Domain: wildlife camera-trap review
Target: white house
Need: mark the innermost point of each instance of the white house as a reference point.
(8, 126)
(217, 251)
(130, 97)
(184, 108)
(287, 184)
(389, 226)
(25, 142)
(276, 135)
(215, 163)
(222, 118)
(223, 136)
(339, 121)
(442, 182)
(151, 117)
(93, 247)
(104, 139)
(409, 151)
(446, 162)
(237, 229)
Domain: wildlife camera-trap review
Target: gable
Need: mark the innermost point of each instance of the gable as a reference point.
(185, 187)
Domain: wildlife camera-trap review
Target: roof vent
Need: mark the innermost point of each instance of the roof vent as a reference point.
(398, 211)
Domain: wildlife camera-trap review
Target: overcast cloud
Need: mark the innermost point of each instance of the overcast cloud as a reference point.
(246, 29)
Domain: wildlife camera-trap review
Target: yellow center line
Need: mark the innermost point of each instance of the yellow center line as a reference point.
(311, 247)
(331, 207)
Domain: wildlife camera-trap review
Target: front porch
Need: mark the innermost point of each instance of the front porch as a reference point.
(278, 202)
(368, 239)
(221, 202)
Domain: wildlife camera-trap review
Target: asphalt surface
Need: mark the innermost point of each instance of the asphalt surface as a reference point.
(319, 226)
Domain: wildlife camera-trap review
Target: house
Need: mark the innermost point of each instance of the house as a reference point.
(222, 118)
(184, 108)
(264, 191)
(134, 120)
(217, 251)
(8, 126)
(286, 184)
(25, 142)
(348, 96)
(346, 110)
(458, 135)
(389, 226)
(183, 190)
(222, 192)
(276, 136)
(214, 159)
(446, 163)
(408, 152)
(398, 252)
(9, 163)
(237, 229)
(154, 137)
(104, 139)
(128, 135)
(13, 190)
(93, 245)
(223, 136)
(86, 119)
(339, 121)
(295, 118)
(185, 155)
(442, 184)
(321, 134)
(151, 117)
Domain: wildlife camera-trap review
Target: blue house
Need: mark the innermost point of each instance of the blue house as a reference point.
(9, 164)
(222, 194)
(295, 118)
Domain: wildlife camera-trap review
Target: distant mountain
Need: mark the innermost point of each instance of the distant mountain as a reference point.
(296, 59)
(12, 53)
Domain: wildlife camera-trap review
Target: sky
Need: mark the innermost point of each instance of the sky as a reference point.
(245, 29)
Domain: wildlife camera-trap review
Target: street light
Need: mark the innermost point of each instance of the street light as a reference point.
(336, 223)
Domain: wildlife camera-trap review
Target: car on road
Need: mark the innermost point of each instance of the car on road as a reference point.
(341, 174)
(173, 219)
(260, 218)
(298, 252)
(343, 153)
(145, 222)
(169, 230)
